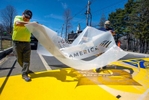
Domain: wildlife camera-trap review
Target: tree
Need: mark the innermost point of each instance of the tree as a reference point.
(139, 22)
(134, 21)
(67, 19)
(117, 21)
(1, 28)
(102, 21)
(7, 16)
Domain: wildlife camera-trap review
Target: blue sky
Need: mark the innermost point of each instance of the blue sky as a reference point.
(51, 12)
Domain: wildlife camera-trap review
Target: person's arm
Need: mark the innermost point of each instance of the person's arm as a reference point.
(113, 32)
(21, 23)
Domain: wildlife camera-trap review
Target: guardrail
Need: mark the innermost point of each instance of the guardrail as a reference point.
(5, 52)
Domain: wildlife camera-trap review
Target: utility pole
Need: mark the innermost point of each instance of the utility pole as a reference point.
(88, 14)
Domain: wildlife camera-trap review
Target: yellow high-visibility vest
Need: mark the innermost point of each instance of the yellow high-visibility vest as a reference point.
(20, 33)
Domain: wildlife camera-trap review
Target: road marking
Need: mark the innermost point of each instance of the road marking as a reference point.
(44, 62)
(144, 95)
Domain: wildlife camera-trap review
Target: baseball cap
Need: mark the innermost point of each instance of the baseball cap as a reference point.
(107, 22)
(28, 14)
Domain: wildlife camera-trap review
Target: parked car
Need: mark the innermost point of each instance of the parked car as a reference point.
(72, 37)
(33, 43)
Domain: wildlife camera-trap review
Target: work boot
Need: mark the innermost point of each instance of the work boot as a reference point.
(29, 71)
(99, 69)
(104, 67)
(26, 77)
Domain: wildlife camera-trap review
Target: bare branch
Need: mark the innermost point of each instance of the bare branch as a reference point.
(7, 16)
(67, 20)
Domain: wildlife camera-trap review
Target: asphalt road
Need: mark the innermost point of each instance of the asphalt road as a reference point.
(9, 65)
(64, 84)
(38, 63)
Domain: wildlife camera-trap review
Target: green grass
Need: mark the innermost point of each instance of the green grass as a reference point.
(6, 44)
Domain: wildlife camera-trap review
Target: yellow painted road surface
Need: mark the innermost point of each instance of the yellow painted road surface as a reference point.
(121, 80)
